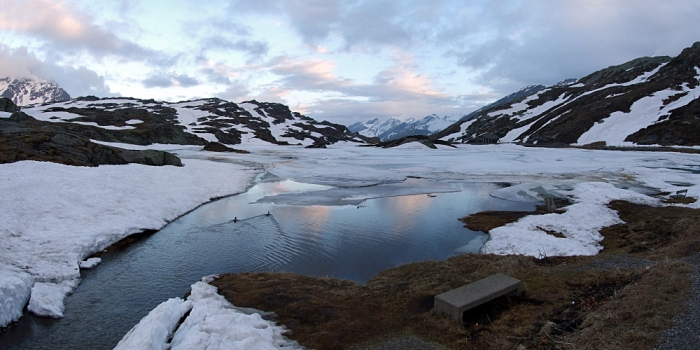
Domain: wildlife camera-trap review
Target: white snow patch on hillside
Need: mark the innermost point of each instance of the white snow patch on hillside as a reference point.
(55, 215)
(643, 113)
(5, 114)
(517, 107)
(107, 127)
(513, 134)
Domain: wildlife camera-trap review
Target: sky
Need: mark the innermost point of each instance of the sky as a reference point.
(338, 60)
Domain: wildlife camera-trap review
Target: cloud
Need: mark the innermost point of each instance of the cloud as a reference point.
(169, 80)
(62, 27)
(395, 83)
(548, 41)
(80, 81)
(254, 49)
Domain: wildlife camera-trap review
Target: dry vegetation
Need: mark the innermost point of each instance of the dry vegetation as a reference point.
(569, 303)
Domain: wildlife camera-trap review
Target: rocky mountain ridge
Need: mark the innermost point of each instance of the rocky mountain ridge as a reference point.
(66, 129)
(646, 101)
(24, 91)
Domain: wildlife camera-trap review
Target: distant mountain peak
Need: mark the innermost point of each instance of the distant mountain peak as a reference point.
(26, 91)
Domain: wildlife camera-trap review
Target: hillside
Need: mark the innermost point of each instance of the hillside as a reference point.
(646, 101)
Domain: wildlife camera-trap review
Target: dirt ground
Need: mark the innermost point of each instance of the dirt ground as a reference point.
(621, 298)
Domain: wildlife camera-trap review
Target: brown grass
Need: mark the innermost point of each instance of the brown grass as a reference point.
(566, 303)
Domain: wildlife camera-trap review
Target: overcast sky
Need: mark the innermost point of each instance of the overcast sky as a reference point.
(338, 60)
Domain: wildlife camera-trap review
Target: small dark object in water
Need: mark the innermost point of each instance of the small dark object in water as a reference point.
(235, 219)
(268, 214)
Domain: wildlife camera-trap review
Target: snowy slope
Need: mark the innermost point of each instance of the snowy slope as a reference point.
(641, 102)
(25, 92)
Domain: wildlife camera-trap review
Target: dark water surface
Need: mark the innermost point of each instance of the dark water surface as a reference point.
(350, 241)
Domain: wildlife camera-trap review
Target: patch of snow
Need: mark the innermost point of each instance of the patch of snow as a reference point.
(513, 134)
(134, 121)
(47, 298)
(528, 235)
(214, 323)
(154, 330)
(517, 107)
(577, 85)
(108, 127)
(5, 114)
(15, 288)
(90, 263)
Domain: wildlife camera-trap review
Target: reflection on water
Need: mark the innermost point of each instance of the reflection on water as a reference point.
(347, 241)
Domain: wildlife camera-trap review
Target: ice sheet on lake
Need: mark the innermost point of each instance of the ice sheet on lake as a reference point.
(355, 196)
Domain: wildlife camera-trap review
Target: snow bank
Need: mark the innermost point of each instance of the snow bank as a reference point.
(15, 287)
(90, 263)
(212, 323)
(53, 216)
(579, 224)
(47, 298)
(154, 330)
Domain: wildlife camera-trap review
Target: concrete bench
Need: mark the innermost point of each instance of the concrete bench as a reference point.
(453, 303)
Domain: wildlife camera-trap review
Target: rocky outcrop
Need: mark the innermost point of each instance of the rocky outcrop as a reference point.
(6, 105)
(25, 138)
(422, 139)
(218, 147)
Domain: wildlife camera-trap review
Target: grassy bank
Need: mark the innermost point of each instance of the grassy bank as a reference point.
(617, 299)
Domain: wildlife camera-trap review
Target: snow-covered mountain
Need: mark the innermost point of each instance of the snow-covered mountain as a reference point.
(646, 101)
(392, 128)
(25, 91)
(194, 122)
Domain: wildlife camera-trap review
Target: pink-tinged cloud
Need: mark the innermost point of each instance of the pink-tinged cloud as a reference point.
(60, 25)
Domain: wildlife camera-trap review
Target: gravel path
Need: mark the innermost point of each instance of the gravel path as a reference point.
(686, 333)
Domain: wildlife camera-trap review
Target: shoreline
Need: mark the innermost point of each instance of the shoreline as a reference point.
(569, 300)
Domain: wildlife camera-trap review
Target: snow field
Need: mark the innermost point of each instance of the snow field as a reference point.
(55, 215)
(212, 323)
(579, 224)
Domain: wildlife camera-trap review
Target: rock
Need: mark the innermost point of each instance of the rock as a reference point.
(6, 105)
(218, 147)
(149, 157)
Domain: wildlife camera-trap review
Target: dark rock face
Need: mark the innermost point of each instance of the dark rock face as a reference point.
(6, 105)
(423, 139)
(25, 138)
(28, 91)
(218, 147)
(560, 114)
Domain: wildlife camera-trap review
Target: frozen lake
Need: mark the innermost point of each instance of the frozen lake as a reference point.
(315, 230)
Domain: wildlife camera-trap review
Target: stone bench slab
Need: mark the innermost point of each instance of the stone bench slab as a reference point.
(453, 303)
